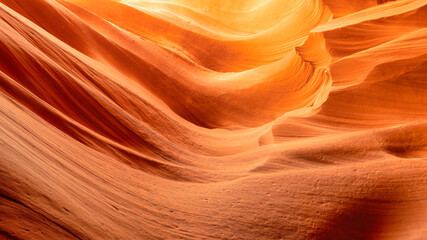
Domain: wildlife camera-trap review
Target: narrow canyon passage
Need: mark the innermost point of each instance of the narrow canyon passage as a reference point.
(213, 119)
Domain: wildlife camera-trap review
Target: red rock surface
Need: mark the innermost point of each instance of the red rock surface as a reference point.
(214, 119)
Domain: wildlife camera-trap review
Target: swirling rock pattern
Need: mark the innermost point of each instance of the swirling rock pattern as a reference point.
(214, 119)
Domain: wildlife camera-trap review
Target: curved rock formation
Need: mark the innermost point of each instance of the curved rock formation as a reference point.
(216, 119)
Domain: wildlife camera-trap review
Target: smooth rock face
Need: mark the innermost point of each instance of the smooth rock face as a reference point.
(213, 119)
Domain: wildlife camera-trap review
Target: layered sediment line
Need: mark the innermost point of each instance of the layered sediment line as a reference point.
(180, 119)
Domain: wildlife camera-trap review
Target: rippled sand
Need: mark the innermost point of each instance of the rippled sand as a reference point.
(213, 119)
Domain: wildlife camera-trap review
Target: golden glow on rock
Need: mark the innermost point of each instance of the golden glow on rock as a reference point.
(213, 119)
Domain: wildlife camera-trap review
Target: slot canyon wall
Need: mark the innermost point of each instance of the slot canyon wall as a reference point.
(213, 119)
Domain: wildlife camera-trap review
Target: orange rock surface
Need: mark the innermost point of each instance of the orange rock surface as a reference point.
(213, 119)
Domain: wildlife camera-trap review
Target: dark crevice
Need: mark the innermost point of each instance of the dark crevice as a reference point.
(7, 236)
(2, 195)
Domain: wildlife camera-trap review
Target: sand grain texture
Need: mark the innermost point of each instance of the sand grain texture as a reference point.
(215, 119)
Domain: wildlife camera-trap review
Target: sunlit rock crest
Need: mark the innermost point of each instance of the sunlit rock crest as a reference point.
(214, 119)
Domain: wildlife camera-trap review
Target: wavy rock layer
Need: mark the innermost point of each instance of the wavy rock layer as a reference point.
(216, 119)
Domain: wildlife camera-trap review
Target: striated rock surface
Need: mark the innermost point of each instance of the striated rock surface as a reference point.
(214, 119)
